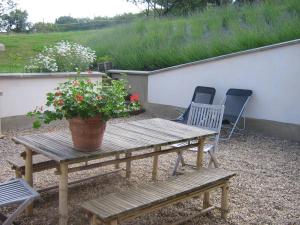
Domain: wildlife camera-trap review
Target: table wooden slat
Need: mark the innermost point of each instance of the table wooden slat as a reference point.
(118, 138)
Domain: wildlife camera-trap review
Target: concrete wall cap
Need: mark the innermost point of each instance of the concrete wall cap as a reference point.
(48, 75)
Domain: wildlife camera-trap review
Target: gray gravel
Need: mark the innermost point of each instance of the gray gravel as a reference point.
(266, 190)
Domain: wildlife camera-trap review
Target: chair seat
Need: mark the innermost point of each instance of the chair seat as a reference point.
(15, 191)
(207, 147)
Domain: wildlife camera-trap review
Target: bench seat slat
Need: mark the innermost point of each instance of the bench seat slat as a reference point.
(115, 205)
(40, 163)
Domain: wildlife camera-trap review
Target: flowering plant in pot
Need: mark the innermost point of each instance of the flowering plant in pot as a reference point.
(87, 106)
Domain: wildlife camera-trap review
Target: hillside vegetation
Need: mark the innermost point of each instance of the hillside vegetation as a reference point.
(157, 43)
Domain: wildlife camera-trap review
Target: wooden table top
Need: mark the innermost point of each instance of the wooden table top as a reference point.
(118, 138)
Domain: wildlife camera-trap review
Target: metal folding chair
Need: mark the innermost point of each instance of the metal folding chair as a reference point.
(207, 117)
(201, 94)
(235, 103)
(16, 191)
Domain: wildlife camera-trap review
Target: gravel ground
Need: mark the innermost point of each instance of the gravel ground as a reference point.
(265, 191)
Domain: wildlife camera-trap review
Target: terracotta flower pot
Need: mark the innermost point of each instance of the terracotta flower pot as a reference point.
(87, 134)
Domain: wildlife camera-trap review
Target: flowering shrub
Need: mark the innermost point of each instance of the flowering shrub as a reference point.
(62, 57)
(135, 102)
(85, 99)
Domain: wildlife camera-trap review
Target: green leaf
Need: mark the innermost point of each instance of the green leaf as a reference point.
(37, 124)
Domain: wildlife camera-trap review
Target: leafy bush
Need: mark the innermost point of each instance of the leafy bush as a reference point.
(63, 56)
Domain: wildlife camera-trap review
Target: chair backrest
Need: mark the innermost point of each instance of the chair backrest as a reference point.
(204, 95)
(235, 102)
(206, 116)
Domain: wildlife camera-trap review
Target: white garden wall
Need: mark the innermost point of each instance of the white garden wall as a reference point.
(21, 93)
(273, 73)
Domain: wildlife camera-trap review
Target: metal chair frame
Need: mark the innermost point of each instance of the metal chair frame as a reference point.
(16, 191)
(240, 116)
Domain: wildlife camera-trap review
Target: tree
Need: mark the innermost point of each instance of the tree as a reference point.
(15, 21)
(6, 6)
(44, 27)
(65, 20)
(175, 7)
(180, 7)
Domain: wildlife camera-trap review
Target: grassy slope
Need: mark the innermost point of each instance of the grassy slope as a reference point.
(152, 44)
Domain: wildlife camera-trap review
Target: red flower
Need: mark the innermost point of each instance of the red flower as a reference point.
(99, 97)
(59, 102)
(58, 93)
(134, 98)
(79, 98)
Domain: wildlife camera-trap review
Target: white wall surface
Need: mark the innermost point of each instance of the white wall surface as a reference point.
(273, 74)
(21, 95)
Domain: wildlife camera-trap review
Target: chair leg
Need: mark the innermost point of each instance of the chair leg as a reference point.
(182, 159)
(178, 160)
(14, 215)
(213, 160)
(234, 126)
(176, 165)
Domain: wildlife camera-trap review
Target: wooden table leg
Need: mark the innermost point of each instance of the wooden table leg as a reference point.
(128, 165)
(117, 165)
(199, 162)
(113, 222)
(224, 201)
(29, 176)
(155, 163)
(94, 220)
(63, 194)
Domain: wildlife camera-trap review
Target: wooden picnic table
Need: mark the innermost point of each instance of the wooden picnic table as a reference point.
(120, 139)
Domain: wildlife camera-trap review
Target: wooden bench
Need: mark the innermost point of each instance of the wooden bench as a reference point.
(116, 207)
(39, 163)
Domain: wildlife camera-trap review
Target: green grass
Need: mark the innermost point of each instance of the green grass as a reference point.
(152, 44)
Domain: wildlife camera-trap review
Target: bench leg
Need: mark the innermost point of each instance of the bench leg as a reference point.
(224, 201)
(29, 176)
(117, 165)
(128, 165)
(206, 202)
